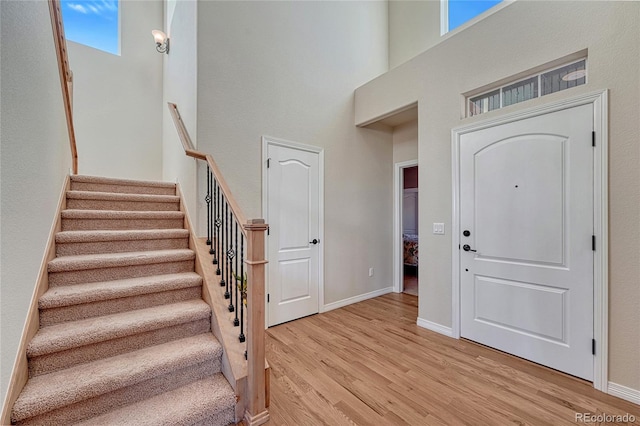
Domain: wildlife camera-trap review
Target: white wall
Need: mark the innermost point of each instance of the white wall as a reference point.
(414, 26)
(35, 159)
(118, 99)
(494, 47)
(405, 142)
(180, 87)
(288, 70)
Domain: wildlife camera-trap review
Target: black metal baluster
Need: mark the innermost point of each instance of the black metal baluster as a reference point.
(241, 337)
(224, 240)
(217, 224)
(230, 271)
(238, 279)
(214, 226)
(210, 206)
(207, 198)
(230, 255)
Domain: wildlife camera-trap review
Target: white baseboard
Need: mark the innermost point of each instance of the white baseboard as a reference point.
(629, 394)
(355, 299)
(438, 328)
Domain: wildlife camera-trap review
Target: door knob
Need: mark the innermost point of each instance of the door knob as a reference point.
(467, 247)
(315, 241)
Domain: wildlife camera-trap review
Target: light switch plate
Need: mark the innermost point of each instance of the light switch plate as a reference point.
(438, 228)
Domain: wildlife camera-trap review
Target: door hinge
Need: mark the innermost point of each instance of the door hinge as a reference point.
(268, 228)
(593, 346)
(268, 162)
(458, 246)
(593, 242)
(268, 297)
(593, 138)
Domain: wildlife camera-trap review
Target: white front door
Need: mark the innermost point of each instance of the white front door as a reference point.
(526, 224)
(293, 207)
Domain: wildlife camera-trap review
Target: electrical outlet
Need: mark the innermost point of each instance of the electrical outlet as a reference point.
(438, 228)
(370, 272)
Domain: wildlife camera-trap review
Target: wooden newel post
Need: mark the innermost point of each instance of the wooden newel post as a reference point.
(256, 413)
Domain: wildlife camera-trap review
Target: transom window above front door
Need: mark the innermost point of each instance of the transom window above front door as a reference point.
(543, 83)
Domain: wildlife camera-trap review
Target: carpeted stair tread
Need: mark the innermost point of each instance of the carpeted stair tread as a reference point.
(74, 334)
(124, 334)
(115, 196)
(124, 182)
(93, 200)
(79, 219)
(73, 243)
(113, 260)
(124, 186)
(186, 405)
(120, 214)
(68, 237)
(81, 382)
(57, 297)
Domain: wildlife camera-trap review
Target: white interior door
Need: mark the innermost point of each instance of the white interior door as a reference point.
(410, 211)
(293, 203)
(526, 266)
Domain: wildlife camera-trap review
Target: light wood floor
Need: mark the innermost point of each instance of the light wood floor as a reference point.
(410, 284)
(370, 364)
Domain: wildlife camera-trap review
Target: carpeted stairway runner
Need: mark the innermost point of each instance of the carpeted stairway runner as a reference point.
(125, 337)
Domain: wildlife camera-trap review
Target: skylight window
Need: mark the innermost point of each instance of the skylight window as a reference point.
(94, 23)
(458, 12)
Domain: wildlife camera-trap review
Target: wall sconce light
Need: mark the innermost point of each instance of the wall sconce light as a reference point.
(162, 41)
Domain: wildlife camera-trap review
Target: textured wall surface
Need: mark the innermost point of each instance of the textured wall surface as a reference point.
(288, 70)
(405, 142)
(180, 84)
(414, 26)
(35, 160)
(118, 99)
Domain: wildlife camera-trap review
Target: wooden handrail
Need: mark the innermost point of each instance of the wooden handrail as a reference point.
(256, 412)
(66, 76)
(185, 139)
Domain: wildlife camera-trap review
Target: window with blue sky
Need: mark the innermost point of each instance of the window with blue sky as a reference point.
(462, 11)
(94, 23)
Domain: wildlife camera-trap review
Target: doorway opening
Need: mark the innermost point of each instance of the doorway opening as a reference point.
(407, 227)
(410, 226)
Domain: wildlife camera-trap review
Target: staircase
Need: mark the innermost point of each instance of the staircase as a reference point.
(125, 337)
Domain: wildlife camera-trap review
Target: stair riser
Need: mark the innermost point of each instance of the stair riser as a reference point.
(209, 401)
(101, 404)
(118, 273)
(122, 189)
(112, 306)
(65, 359)
(82, 204)
(225, 417)
(115, 224)
(121, 246)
